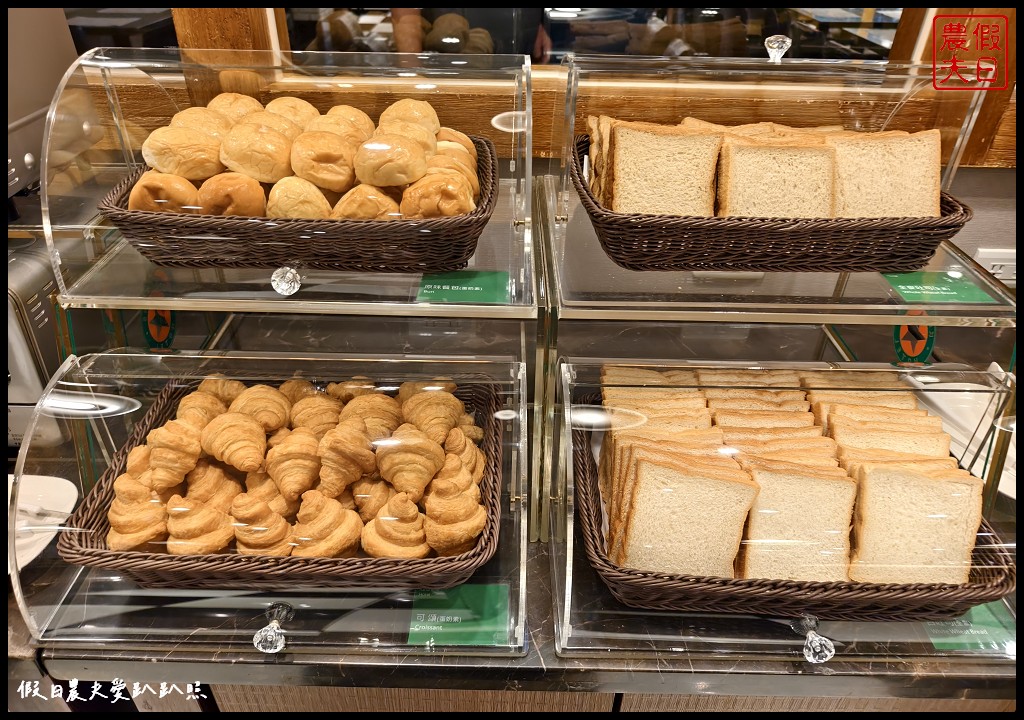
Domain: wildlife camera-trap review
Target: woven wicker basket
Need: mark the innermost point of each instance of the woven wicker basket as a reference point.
(231, 570)
(668, 242)
(993, 576)
(394, 246)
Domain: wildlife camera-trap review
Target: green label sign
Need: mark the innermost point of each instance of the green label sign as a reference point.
(465, 286)
(464, 615)
(159, 327)
(937, 287)
(913, 343)
(985, 627)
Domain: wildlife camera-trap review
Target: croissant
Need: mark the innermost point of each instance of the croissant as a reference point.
(199, 408)
(453, 520)
(381, 413)
(164, 494)
(138, 461)
(470, 429)
(219, 385)
(174, 449)
(346, 455)
(408, 460)
(349, 389)
(268, 405)
(258, 529)
(347, 500)
(294, 464)
(138, 520)
(261, 486)
(434, 413)
(319, 413)
(275, 438)
(195, 528)
(407, 389)
(455, 472)
(237, 439)
(397, 531)
(297, 388)
(325, 528)
(472, 456)
(370, 493)
(214, 484)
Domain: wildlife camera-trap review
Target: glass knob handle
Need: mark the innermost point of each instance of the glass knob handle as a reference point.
(777, 45)
(817, 648)
(271, 639)
(287, 279)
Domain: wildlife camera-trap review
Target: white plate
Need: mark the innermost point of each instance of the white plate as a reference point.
(40, 491)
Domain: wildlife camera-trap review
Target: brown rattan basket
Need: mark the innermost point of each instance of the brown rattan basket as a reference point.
(394, 246)
(993, 576)
(668, 242)
(230, 570)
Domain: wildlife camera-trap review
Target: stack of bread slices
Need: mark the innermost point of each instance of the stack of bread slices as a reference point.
(762, 169)
(826, 476)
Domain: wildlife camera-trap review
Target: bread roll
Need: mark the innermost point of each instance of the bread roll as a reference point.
(455, 150)
(324, 159)
(387, 160)
(366, 202)
(160, 192)
(450, 135)
(234, 105)
(410, 130)
(208, 121)
(438, 195)
(295, 109)
(419, 112)
(257, 151)
(339, 126)
(355, 116)
(183, 151)
(293, 197)
(272, 120)
(232, 193)
(446, 163)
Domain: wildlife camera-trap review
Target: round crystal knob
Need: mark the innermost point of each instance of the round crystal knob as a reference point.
(271, 639)
(818, 649)
(777, 45)
(286, 280)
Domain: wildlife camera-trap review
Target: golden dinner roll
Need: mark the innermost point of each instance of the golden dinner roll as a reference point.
(410, 130)
(355, 116)
(234, 105)
(455, 150)
(446, 163)
(415, 111)
(258, 151)
(232, 193)
(452, 135)
(438, 195)
(295, 109)
(339, 126)
(386, 160)
(325, 159)
(188, 152)
(209, 121)
(161, 192)
(272, 120)
(293, 197)
(366, 202)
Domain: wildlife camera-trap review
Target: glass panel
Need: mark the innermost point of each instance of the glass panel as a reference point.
(87, 416)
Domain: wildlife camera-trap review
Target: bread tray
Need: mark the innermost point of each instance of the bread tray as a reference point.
(87, 546)
(755, 244)
(388, 246)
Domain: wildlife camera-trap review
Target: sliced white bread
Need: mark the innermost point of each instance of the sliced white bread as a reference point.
(634, 375)
(855, 434)
(799, 525)
(755, 434)
(681, 377)
(885, 398)
(662, 170)
(887, 174)
(818, 457)
(848, 455)
(800, 445)
(925, 465)
(822, 410)
(639, 396)
(762, 419)
(750, 462)
(840, 374)
(914, 527)
(779, 396)
(893, 419)
(748, 129)
(753, 403)
(686, 520)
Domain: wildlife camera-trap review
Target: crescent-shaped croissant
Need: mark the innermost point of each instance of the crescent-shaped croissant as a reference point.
(346, 390)
(226, 390)
(164, 494)
(319, 413)
(381, 413)
(435, 413)
(294, 464)
(470, 429)
(197, 529)
(397, 531)
(237, 439)
(138, 520)
(456, 472)
(138, 461)
(346, 455)
(472, 456)
(370, 492)
(296, 388)
(261, 486)
(409, 460)
(258, 529)
(268, 405)
(453, 520)
(407, 389)
(213, 483)
(174, 449)
(199, 408)
(275, 438)
(325, 528)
